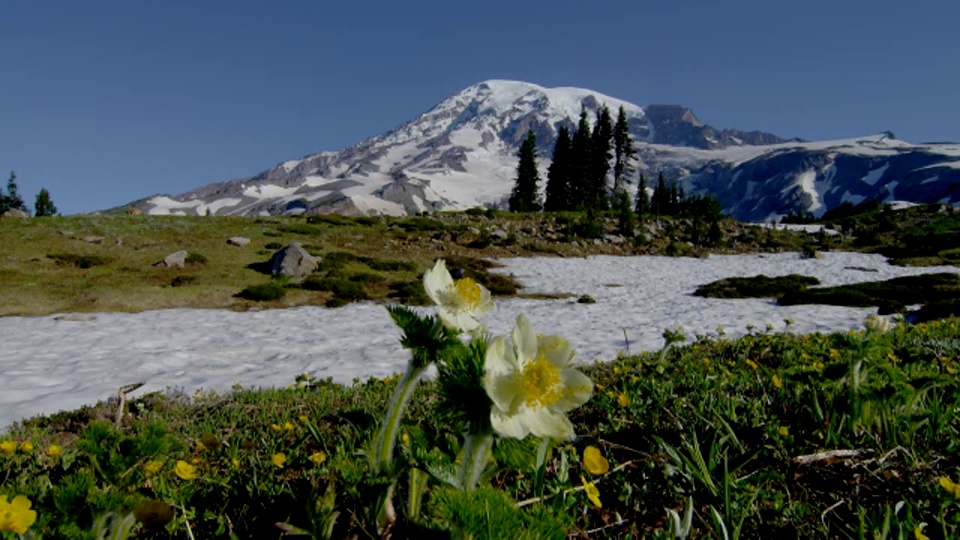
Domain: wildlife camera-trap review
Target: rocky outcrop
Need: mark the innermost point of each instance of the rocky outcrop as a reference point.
(293, 262)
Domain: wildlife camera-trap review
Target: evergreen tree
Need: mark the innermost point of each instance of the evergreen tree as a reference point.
(625, 217)
(43, 205)
(580, 168)
(642, 205)
(660, 198)
(558, 175)
(526, 193)
(601, 139)
(12, 200)
(673, 204)
(623, 151)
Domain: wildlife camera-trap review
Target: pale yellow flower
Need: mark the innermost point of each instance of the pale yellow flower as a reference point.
(304, 419)
(623, 400)
(151, 468)
(16, 515)
(54, 450)
(8, 447)
(784, 431)
(777, 383)
(877, 324)
(950, 486)
(185, 470)
(533, 385)
(288, 426)
(460, 302)
(592, 492)
(752, 364)
(317, 458)
(278, 459)
(26, 446)
(594, 461)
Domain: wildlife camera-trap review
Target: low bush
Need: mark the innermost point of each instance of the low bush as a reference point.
(759, 286)
(263, 292)
(80, 261)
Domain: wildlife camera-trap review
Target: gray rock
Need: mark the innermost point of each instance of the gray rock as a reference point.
(15, 213)
(499, 234)
(614, 238)
(293, 262)
(173, 260)
(238, 241)
(94, 239)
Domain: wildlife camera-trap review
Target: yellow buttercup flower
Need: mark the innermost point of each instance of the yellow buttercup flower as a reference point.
(950, 486)
(185, 470)
(317, 458)
(235, 462)
(278, 459)
(623, 400)
(276, 428)
(201, 447)
(26, 446)
(533, 384)
(16, 515)
(151, 468)
(752, 364)
(777, 383)
(8, 447)
(461, 302)
(54, 450)
(918, 532)
(592, 492)
(594, 461)
(834, 354)
(784, 431)
(304, 419)
(288, 426)
(405, 438)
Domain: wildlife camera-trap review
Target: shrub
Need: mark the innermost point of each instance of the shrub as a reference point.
(329, 219)
(195, 259)
(264, 292)
(300, 228)
(341, 288)
(80, 261)
(392, 266)
(759, 286)
(181, 281)
(273, 245)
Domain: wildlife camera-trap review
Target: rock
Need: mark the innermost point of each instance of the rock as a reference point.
(68, 234)
(293, 262)
(94, 239)
(75, 317)
(15, 213)
(238, 241)
(499, 234)
(173, 260)
(133, 211)
(614, 238)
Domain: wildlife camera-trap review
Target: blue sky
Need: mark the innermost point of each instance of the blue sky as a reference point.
(105, 102)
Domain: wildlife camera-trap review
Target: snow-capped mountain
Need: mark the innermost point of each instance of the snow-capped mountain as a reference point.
(463, 153)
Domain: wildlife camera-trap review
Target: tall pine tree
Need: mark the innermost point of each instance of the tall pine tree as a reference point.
(43, 205)
(558, 175)
(642, 205)
(601, 139)
(526, 192)
(623, 152)
(581, 167)
(12, 200)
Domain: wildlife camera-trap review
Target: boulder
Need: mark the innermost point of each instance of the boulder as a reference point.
(173, 260)
(94, 239)
(238, 241)
(293, 262)
(15, 213)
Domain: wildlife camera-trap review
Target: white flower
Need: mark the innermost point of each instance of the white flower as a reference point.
(461, 302)
(532, 384)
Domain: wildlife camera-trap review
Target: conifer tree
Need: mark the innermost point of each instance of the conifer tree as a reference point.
(660, 198)
(623, 151)
(526, 193)
(642, 205)
(581, 153)
(558, 175)
(601, 139)
(12, 200)
(43, 205)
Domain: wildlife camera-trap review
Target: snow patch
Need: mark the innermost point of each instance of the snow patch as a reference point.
(874, 175)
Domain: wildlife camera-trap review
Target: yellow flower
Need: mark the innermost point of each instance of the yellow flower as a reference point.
(8, 447)
(304, 419)
(777, 383)
(784, 431)
(594, 461)
(16, 515)
(950, 486)
(918, 532)
(752, 364)
(818, 366)
(405, 438)
(54, 450)
(276, 428)
(195, 460)
(592, 492)
(461, 302)
(185, 470)
(201, 447)
(623, 400)
(288, 426)
(278, 459)
(151, 468)
(533, 385)
(26, 446)
(834, 354)
(319, 457)
(235, 462)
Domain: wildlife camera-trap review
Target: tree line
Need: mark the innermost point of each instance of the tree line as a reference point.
(11, 200)
(578, 179)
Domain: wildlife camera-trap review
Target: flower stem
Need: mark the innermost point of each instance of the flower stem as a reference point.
(476, 453)
(387, 435)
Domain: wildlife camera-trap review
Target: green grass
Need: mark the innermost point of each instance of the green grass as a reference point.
(756, 286)
(746, 433)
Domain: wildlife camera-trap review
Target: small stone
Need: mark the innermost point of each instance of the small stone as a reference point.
(238, 241)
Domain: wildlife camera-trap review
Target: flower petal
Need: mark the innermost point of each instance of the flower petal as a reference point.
(576, 390)
(546, 423)
(508, 425)
(524, 341)
(436, 280)
(556, 350)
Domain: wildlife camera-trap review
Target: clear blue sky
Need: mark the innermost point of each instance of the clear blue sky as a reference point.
(104, 102)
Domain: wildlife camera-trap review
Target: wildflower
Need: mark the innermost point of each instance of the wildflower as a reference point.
(880, 325)
(623, 400)
(461, 302)
(319, 457)
(235, 462)
(26, 446)
(54, 450)
(195, 460)
(594, 461)
(784, 431)
(276, 428)
(721, 331)
(185, 470)
(201, 447)
(532, 384)
(950, 486)
(8, 447)
(818, 366)
(918, 532)
(151, 468)
(304, 419)
(834, 354)
(278, 459)
(405, 438)
(592, 492)
(777, 383)
(16, 515)
(752, 364)
(288, 426)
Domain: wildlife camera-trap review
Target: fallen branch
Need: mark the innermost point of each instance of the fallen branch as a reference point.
(122, 400)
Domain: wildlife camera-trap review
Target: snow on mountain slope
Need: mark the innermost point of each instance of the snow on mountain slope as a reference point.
(462, 153)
